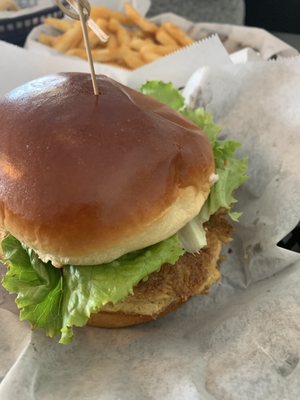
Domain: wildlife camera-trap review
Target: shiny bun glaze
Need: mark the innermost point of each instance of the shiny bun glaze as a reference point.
(85, 179)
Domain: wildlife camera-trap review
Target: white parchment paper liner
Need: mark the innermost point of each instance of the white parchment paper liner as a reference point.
(234, 343)
(34, 65)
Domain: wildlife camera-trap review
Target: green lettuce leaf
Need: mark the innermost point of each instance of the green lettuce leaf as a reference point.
(231, 171)
(164, 92)
(39, 286)
(58, 299)
(231, 176)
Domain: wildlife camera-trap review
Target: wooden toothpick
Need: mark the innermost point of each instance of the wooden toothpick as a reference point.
(81, 11)
(102, 36)
(83, 20)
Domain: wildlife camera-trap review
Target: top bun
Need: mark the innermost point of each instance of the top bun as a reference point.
(85, 179)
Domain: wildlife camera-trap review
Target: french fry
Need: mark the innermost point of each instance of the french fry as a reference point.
(150, 56)
(8, 5)
(178, 34)
(100, 55)
(164, 38)
(119, 64)
(138, 20)
(70, 39)
(123, 37)
(48, 40)
(142, 35)
(62, 25)
(105, 55)
(138, 43)
(77, 53)
(106, 13)
(158, 49)
(112, 42)
(122, 34)
(131, 58)
(93, 39)
(102, 23)
(113, 25)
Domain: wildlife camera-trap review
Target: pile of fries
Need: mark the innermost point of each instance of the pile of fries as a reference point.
(8, 5)
(133, 40)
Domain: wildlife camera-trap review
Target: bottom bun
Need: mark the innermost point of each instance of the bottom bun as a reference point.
(164, 291)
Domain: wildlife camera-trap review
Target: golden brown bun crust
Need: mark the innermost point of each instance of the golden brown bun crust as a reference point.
(173, 285)
(80, 172)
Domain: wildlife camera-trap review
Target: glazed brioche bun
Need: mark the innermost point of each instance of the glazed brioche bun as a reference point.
(86, 179)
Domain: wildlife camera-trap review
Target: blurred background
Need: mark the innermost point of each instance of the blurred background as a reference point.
(277, 16)
(274, 15)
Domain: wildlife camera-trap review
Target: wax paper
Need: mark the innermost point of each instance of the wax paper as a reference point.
(241, 341)
(34, 66)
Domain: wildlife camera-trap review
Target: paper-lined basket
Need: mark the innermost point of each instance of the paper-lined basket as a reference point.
(233, 37)
(16, 25)
(242, 340)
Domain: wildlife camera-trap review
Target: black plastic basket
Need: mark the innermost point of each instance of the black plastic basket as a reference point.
(292, 240)
(15, 30)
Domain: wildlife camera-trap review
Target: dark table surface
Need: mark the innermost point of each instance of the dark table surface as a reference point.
(290, 38)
